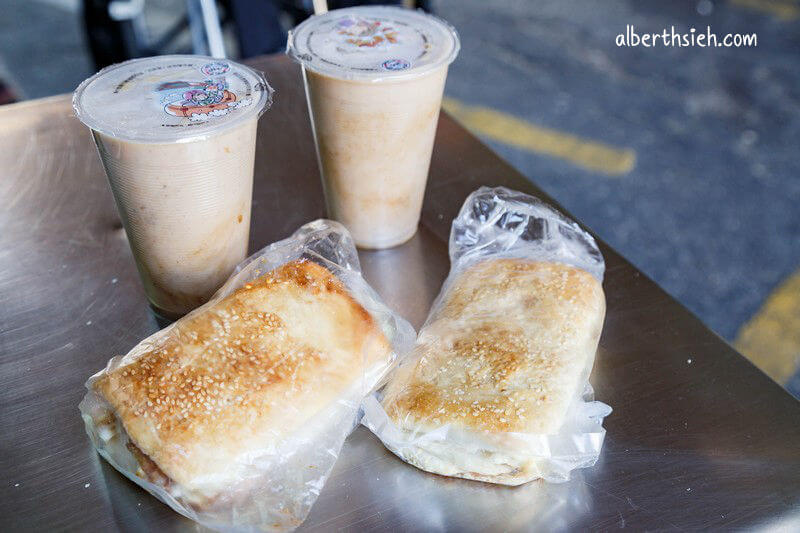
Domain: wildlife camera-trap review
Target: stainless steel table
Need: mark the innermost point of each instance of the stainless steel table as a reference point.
(699, 438)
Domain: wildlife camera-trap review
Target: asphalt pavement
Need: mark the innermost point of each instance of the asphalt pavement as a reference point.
(711, 206)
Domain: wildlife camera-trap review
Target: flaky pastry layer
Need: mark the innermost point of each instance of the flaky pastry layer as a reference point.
(202, 404)
(508, 350)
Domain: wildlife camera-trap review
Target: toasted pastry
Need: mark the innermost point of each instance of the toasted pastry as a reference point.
(197, 409)
(507, 351)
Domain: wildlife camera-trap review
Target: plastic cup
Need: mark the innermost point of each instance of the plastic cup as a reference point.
(374, 79)
(177, 136)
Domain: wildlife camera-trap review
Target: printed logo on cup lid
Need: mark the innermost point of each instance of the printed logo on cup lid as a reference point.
(215, 69)
(373, 42)
(395, 64)
(171, 98)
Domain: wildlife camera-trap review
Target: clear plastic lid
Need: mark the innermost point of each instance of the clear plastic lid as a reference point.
(168, 99)
(373, 43)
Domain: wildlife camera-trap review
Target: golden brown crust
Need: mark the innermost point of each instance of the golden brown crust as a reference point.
(504, 353)
(478, 365)
(237, 377)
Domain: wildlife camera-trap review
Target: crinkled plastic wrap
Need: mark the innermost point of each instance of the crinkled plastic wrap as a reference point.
(282, 481)
(498, 223)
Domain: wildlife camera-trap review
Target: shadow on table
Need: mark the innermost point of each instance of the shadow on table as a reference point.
(408, 277)
(136, 510)
(371, 489)
(477, 506)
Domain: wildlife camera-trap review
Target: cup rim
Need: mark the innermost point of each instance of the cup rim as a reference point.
(319, 66)
(107, 128)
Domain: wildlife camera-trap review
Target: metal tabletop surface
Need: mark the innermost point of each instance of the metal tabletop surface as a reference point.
(699, 438)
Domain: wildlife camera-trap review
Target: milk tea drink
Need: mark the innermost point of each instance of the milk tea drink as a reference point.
(177, 136)
(374, 81)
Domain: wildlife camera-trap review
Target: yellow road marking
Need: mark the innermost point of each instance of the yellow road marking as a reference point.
(510, 130)
(771, 339)
(779, 8)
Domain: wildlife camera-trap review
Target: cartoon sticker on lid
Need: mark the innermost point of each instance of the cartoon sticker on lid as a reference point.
(360, 33)
(199, 101)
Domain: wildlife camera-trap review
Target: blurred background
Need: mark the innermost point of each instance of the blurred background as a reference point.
(686, 160)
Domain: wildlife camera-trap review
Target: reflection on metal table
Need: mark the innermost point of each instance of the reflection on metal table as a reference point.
(699, 438)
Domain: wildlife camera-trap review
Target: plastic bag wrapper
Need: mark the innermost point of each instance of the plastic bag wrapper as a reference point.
(497, 223)
(281, 482)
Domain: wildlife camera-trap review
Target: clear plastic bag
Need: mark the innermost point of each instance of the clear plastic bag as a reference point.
(279, 484)
(495, 223)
